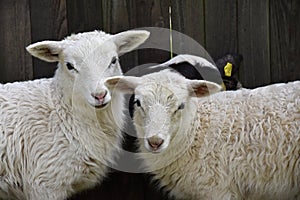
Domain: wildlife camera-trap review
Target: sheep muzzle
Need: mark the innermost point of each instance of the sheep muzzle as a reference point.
(155, 142)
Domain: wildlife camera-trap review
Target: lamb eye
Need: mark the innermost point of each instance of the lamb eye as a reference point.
(69, 66)
(181, 106)
(137, 102)
(114, 60)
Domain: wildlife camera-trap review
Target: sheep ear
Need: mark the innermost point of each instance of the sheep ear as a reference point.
(125, 84)
(46, 50)
(128, 40)
(202, 88)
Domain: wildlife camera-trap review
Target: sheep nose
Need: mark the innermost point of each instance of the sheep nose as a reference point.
(155, 142)
(99, 95)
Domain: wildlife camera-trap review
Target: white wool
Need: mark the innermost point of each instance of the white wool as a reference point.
(55, 137)
(241, 144)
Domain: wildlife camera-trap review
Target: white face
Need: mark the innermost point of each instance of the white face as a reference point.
(163, 105)
(158, 115)
(86, 60)
(87, 70)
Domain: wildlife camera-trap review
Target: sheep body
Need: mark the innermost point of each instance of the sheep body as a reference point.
(58, 135)
(42, 148)
(241, 144)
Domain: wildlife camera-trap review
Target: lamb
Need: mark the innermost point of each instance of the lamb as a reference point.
(58, 135)
(189, 66)
(204, 144)
(196, 67)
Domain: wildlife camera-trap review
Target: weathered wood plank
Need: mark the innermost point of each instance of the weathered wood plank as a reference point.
(154, 14)
(253, 43)
(15, 62)
(220, 27)
(84, 15)
(188, 18)
(49, 22)
(285, 40)
(115, 16)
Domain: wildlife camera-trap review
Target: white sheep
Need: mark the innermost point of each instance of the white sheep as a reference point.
(241, 144)
(58, 135)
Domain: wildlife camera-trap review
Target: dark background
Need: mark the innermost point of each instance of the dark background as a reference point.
(265, 32)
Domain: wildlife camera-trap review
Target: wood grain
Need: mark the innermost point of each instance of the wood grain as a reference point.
(189, 19)
(221, 27)
(154, 14)
(15, 62)
(84, 15)
(253, 42)
(285, 40)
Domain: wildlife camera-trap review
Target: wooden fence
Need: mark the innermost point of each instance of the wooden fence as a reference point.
(265, 32)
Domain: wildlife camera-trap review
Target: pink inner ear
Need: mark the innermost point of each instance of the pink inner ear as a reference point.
(47, 52)
(121, 84)
(201, 91)
(112, 81)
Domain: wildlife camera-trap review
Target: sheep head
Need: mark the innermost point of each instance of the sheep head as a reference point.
(163, 104)
(85, 60)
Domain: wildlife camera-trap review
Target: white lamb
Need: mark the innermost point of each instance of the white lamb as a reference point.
(58, 135)
(241, 144)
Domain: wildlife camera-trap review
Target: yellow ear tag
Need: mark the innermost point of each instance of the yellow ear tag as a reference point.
(228, 69)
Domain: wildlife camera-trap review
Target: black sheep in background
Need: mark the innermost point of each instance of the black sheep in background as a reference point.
(228, 66)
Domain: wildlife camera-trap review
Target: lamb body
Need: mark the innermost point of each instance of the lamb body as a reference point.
(241, 144)
(58, 135)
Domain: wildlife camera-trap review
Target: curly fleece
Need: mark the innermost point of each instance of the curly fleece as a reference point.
(241, 144)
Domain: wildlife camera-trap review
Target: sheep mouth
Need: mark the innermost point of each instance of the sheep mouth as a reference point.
(157, 151)
(100, 106)
(154, 150)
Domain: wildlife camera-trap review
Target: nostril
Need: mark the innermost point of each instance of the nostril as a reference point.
(155, 142)
(99, 96)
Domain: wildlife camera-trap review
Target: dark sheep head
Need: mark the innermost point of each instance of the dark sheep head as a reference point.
(228, 66)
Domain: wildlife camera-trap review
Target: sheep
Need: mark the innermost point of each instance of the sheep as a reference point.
(196, 67)
(58, 135)
(203, 144)
(189, 66)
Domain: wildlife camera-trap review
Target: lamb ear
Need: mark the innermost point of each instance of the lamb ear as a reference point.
(125, 84)
(46, 50)
(202, 88)
(128, 40)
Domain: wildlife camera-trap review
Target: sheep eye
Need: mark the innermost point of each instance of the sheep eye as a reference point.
(137, 102)
(70, 66)
(114, 60)
(181, 106)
